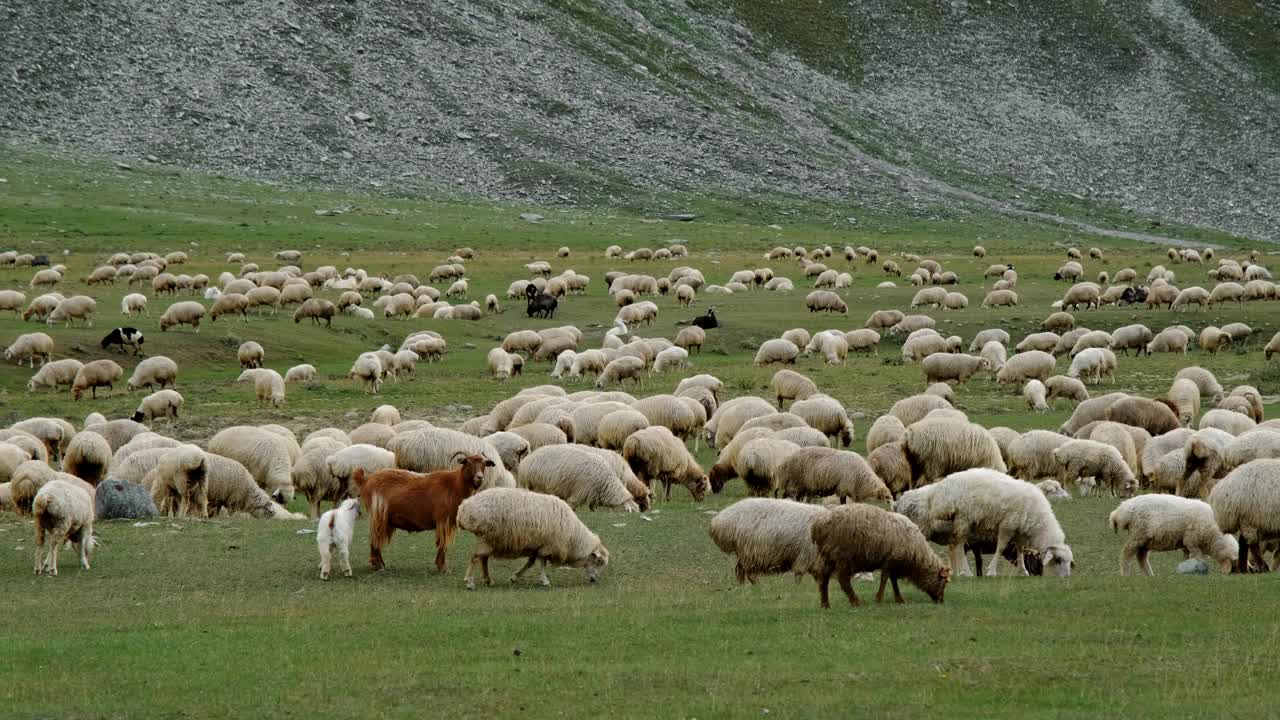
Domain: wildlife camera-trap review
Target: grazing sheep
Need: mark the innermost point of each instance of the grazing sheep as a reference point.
(576, 475)
(1043, 341)
(63, 512)
(1059, 322)
(825, 301)
(268, 386)
(776, 351)
(1092, 363)
(984, 505)
(134, 304)
(1000, 298)
(178, 482)
(266, 455)
(884, 319)
(1080, 459)
(328, 478)
(93, 375)
(88, 456)
(1034, 392)
(1031, 455)
(654, 454)
(1024, 366)
(1165, 522)
(913, 409)
(953, 367)
(250, 355)
(1213, 339)
(814, 472)
(367, 369)
(1168, 340)
(55, 374)
(620, 370)
(791, 385)
(1245, 503)
(30, 347)
(1227, 420)
(515, 523)
(768, 536)
(862, 538)
(1086, 293)
(160, 404)
(187, 312)
(936, 447)
(300, 374)
(886, 429)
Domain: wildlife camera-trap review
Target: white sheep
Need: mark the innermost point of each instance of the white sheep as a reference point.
(938, 446)
(984, 505)
(1166, 522)
(88, 457)
(577, 475)
(776, 351)
(134, 304)
(1081, 459)
(300, 374)
(517, 523)
(179, 482)
(768, 536)
(266, 455)
(187, 312)
(95, 374)
(30, 347)
(268, 386)
(433, 449)
(655, 454)
(368, 369)
(1034, 392)
(55, 374)
(63, 512)
(160, 404)
(334, 532)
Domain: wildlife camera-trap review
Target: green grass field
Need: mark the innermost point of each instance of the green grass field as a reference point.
(227, 617)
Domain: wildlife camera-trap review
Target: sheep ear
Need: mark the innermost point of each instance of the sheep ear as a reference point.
(1048, 556)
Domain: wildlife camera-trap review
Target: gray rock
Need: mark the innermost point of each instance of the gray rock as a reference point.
(680, 217)
(124, 166)
(120, 500)
(1193, 567)
(531, 217)
(360, 116)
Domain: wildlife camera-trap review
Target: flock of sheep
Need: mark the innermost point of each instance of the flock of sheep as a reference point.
(1205, 454)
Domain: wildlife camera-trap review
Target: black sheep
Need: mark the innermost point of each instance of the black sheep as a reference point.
(708, 321)
(540, 304)
(120, 337)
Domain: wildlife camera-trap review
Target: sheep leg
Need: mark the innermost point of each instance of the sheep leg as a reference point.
(959, 565)
(845, 578)
(468, 578)
(1242, 562)
(897, 594)
(884, 578)
(1144, 559)
(1256, 552)
(313, 506)
(824, 597)
(1126, 555)
(542, 574)
(520, 573)
(40, 549)
(977, 560)
(1002, 541)
(324, 561)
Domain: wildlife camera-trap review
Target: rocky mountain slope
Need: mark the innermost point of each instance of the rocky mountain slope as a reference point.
(1118, 114)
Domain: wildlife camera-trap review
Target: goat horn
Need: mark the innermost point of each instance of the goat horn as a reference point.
(457, 455)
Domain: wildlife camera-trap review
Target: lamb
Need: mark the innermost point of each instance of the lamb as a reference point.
(93, 375)
(1080, 459)
(250, 355)
(160, 404)
(30, 347)
(300, 374)
(1166, 522)
(576, 475)
(334, 532)
(655, 454)
(515, 523)
(952, 367)
(265, 455)
(937, 447)
(87, 457)
(977, 505)
(63, 512)
(1092, 363)
(187, 312)
(813, 472)
(768, 536)
(862, 538)
(413, 502)
(55, 374)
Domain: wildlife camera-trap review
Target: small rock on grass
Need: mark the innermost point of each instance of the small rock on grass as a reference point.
(1193, 567)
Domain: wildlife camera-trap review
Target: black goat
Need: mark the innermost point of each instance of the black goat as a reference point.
(540, 303)
(39, 260)
(1132, 295)
(120, 337)
(708, 321)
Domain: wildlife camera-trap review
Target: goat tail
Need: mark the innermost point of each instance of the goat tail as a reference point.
(378, 521)
(357, 477)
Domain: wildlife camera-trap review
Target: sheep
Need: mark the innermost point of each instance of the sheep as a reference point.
(812, 472)
(300, 374)
(919, 347)
(1034, 392)
(55, 374)
(1000, 298)
(620, 370)
(316, 309)
(11, 300)
(367, 369)
(88, 456)
(1197, 296)
(431, 449)
(329, 477)
(654, 454)
(134, 304)
(914, 408)
(861, 538)
(160, 404)
(938, 447)
(883, 319)
(78, 307)
(825, 301)
(1092, 339)
(1031, 455)
(1212, 339)
(1253, 398)
(576, 475)
(1228, 421)
(733, 415)
(953, 367)
(41, 306)
(1080, 459)
(1086, 293)
(63, 512)
(1168, 340)
(929, 297)
(93, 375)
(983, 337)
(1024, 366)
(268, 386)
(767, 536)
(791, 385)
(690, 338)
(886, 429)
(1043, 341)
(671, 358)
(826, 415)
(1244, 503)
(1059, 322)
(911, 324)
(1162, 295)
(516, 523)
(179, 481)
(1226, 292)
(1157, 416)
(1185, 396)
(230, 304)
(982, 504)
(1166, 522)
(1135, 337)
(265, 455)
(250, 355)
(1069, 270)
(31, 346)
(187, 312)
(1093, 363)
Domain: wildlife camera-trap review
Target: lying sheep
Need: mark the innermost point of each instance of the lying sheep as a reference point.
(860, 538)
(517, 523)
(768, 536)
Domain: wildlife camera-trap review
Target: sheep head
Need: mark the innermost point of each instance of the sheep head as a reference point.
(1059, 559)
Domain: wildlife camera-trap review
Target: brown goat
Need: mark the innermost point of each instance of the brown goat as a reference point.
(415, 502)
